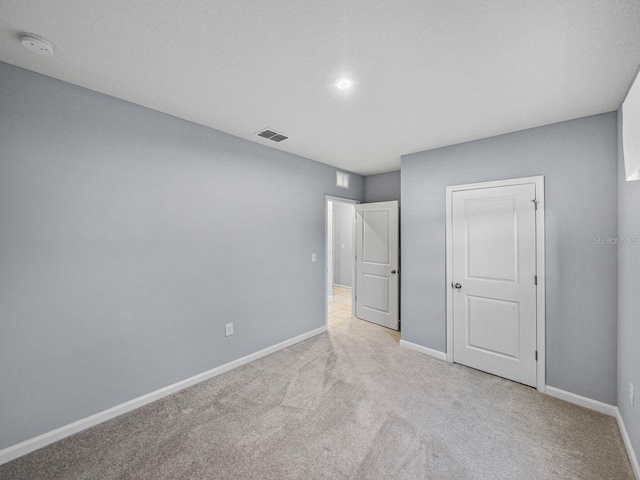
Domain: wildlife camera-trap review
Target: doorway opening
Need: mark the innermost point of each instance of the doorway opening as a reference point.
(340, 263)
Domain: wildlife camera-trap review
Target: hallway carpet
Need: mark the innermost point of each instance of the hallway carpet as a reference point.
(346, 404)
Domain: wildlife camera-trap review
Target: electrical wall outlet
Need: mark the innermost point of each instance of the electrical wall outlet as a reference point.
(313, 257)
(228, 329)
(631, 394)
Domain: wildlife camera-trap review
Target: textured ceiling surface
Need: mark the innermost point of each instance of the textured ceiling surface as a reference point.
(426, 73)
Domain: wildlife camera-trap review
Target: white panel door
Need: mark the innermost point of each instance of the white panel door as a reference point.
(494, 285)
(377, 263)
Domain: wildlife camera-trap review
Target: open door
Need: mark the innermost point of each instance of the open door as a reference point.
(378, 263)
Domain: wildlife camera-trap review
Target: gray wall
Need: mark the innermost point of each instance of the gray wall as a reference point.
(128, 238)
(629, 302)
(579, 161)
(343, 244)
(382, 187)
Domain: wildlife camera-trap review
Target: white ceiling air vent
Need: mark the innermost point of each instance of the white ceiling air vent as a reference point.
(271, 135)
(342, 180)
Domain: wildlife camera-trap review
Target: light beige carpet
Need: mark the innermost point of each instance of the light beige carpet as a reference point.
(347, 404)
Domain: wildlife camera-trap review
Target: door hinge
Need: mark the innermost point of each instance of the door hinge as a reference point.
(535, 203)
(536, 355)
(535, 279)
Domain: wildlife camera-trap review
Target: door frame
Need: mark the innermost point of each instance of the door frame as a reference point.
(327, 199)
(538, 181)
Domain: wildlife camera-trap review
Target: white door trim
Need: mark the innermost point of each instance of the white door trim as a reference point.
(538, 181)
(327, 199)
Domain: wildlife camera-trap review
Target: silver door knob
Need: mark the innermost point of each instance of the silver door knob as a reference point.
(457, 285)
(393, 272)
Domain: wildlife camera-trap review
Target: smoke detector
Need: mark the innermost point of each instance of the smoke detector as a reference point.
(271, 134)
(37, 44)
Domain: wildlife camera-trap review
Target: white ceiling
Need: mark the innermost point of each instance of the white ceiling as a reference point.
(426, 73)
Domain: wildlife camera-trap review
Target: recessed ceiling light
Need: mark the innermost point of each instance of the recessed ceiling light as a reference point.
(37, 44)
(343, 83)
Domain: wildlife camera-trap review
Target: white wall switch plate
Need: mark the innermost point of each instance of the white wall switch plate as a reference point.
(313, 257)
(228, 329)
(631, 394)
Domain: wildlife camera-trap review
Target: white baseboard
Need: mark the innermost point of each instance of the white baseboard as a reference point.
(15, 451)
(627, 443)
(341, 286)
(582, 401)
(602, 408)
(427, 351)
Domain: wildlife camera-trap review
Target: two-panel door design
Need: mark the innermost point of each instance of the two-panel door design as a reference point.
(494, 280)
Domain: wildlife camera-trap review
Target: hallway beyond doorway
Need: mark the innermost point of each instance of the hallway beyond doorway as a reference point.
(339, 307)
